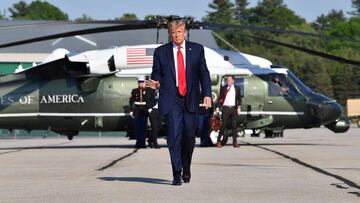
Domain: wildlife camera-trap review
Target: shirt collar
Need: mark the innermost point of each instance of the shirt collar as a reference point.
(182, 45)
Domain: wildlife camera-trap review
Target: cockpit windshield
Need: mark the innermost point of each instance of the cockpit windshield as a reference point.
(299, 84)
(286, 85)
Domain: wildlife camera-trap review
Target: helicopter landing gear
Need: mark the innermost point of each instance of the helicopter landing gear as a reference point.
(279, 134)
(47, 133)
(255, 133)
(269, 134)
(70, 134)
(274, 133)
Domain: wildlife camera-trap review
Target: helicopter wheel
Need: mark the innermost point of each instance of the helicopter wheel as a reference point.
(269, 134)
(358, 122)
(279, 134)
(255, 133)
(70, 137)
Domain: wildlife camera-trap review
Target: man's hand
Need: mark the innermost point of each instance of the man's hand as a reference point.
(131, 114)
(152, 84)
(238, 110)
(207, 102)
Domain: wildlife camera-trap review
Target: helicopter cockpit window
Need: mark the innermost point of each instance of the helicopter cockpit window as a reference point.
(239, 81)
(280, 85)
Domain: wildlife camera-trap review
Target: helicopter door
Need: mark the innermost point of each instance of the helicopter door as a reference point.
(283, 102)
(253, 103)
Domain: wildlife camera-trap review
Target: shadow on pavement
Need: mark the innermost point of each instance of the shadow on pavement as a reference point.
(137, 179)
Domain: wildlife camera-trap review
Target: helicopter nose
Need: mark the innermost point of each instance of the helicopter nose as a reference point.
(330, 111)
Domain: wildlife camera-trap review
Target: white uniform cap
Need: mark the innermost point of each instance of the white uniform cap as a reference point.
(141, 78)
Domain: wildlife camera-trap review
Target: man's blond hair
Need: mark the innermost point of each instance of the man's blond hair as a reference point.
(175, 24)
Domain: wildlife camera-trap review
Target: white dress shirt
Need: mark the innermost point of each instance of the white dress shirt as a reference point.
(230, 97)
(175, 50)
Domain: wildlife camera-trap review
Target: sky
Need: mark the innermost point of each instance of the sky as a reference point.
(109, 9)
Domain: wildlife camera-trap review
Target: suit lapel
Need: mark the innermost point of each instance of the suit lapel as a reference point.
(188, 59)
(171, 59)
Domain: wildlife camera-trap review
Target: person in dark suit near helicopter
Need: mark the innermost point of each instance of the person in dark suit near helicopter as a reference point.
(154, 115)
(138, 112)
(230, 104)
(179, 69)
(203, 124)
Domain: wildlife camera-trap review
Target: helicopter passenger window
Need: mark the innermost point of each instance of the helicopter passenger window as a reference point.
(276, 85)
(239, 81)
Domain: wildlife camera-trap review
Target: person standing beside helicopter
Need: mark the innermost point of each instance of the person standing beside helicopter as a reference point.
(154, 116)
(230, 104)
(179, 69)
(138, 112)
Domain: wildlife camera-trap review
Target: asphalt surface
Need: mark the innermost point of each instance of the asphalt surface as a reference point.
(312, 165)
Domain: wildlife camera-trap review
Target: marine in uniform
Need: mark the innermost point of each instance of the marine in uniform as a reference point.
(138, 112)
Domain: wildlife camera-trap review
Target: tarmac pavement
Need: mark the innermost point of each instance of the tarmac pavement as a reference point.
(313, 165)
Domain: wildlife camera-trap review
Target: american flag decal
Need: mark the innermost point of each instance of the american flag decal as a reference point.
(139, 56)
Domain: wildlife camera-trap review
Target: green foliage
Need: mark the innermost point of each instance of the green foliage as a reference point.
(2, 15)
(83, 18)
(37, 10)
(223, 11)
(149, 17)
(19, 10)
(273, 13)
(127, 17)
(325, 22)
(241, 12)
(356, 6)
(336, 80)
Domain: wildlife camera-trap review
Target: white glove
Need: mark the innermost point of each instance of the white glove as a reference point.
(149, 110)
(131, 114)
(238, 110)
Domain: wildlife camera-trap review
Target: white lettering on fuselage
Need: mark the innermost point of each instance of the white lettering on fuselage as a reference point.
(45, 99)
(61, 99)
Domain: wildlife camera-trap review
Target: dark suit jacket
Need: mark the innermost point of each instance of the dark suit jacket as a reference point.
(196, 74)
(150, 98)
(222, 96)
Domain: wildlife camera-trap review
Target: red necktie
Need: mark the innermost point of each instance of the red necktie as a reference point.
(181, 72)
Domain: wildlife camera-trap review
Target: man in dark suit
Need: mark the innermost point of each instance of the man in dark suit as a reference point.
(154, 115)
(179, 70)
(230, 103)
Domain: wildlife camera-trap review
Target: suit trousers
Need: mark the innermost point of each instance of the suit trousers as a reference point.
(228, 115)
(155, 120)
(203, 128)
(181, 126)
(140, 128)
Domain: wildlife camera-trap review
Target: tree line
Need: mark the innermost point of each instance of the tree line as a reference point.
(337, 80)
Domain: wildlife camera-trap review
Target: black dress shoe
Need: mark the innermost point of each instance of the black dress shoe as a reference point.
(176, 181)
(150, 144)
(186, 175)
(186, 178)
(157, 147)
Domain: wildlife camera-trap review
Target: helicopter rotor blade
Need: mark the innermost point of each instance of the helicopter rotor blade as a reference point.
(306, 50)
(272, 29)
(161, 22)
(132, 25)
